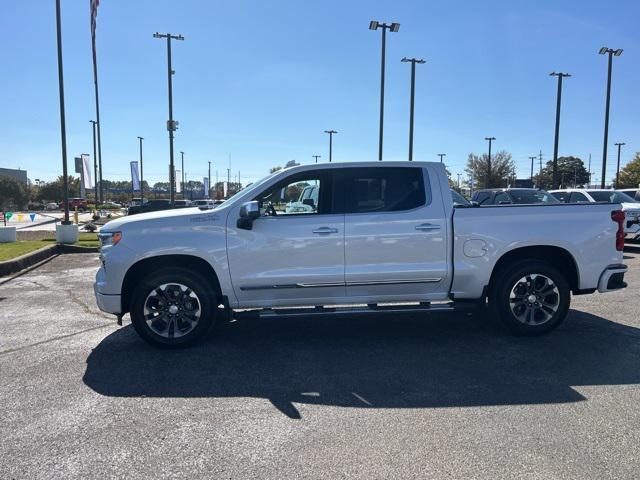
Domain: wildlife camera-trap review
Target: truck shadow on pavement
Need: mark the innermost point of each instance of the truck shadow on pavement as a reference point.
(380, 362)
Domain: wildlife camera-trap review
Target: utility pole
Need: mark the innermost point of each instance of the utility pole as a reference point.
(63, 125)
(589, 170)
(487, 183)
(619, 145)
(413, 62)
(554, 176)
(394, 27)
(182, 166)
(331, 132)
(172, 125)
(540, 156)
(316, 157)
(458, 180)
(611, 52)
(441, 155)
(141, 174)
(532, 159)
(95, 162)
(209, 180)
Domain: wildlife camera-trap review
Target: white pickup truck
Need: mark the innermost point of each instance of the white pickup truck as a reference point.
(382, 237)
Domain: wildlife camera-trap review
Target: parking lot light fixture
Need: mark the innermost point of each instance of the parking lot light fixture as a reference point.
(442, 155)
(619, 145)
(393, 27)
(533, 158)
(554, 177)
(171, 124)
(413, 62)
(487, 183)
(611, 52)
(316, 157)
(330, 132)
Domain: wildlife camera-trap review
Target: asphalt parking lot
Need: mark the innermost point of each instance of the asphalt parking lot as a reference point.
(406, 397)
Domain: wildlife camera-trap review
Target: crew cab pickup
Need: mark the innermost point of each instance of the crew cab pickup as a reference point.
(385, 235)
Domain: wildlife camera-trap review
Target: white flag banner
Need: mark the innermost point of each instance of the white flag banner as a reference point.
(86, 171)
(135, 177)
(178, 184)
(205, 182)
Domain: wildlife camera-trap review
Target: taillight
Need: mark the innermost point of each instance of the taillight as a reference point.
(618, 217)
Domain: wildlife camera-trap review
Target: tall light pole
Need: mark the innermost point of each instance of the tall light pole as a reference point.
(619, 145)
(330, 132)
(413, 62)
(554, 175)
(141, 174)
(487, 183)
(95, 162)
(209, 180)
(532, 160)
(611, 52)
(316, 157)
(63, 124)
(172, 125)
(182, 166)
(442, 155)
(458, 180)
(393, 27)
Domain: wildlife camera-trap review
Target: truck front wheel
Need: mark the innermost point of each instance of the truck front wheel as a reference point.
(530, 297)
(173, 307)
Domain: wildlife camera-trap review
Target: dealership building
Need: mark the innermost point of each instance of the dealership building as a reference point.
(20, 175)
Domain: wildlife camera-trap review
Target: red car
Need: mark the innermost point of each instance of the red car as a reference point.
(80, 203)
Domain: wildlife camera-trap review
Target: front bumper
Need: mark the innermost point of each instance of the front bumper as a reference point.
(108, 303)
(612, 278)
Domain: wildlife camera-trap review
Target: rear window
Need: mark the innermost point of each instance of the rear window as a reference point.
(611, 197)
(526, 197)
(392, 189)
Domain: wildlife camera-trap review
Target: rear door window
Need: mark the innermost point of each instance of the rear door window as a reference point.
(383, 189)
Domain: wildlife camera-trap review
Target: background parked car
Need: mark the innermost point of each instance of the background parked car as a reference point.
(52, 206)
(512, 196)
(150, 206)
(79, 203)
(630, 206)
(182, 203)
(458, 199)
(632, 192)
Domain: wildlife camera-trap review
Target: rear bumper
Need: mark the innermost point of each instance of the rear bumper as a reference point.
(612, 278)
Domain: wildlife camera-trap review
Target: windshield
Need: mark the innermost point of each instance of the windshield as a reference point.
(252, 187)
(526, 196)
(458, 199)
(610, 196)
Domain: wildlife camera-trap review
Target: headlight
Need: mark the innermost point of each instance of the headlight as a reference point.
(109, 238)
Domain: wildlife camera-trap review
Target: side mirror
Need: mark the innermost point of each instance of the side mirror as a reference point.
(249, 211)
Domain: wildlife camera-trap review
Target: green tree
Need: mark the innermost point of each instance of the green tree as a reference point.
(54, 191)
(630, 174)
(503, 170)
(13, 194)
(571, 172)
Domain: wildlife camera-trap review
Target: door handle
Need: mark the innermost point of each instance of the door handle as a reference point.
(325, 230)
(427, 227)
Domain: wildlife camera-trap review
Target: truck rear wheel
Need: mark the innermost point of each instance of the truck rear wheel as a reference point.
(530, 297)
(173, 307)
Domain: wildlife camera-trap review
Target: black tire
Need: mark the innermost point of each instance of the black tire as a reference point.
(203, 299)
(543, 281)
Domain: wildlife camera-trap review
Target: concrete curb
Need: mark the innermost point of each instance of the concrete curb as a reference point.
(27, 260)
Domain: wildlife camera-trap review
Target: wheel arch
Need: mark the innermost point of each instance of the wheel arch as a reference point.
(143, 267)
(556, 256)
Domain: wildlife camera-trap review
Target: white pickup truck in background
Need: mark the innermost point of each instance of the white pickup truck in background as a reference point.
(381, 235)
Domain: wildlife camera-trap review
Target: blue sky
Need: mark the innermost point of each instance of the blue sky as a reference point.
(261, 81)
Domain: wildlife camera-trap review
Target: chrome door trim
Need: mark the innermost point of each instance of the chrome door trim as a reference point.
(339, 284)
